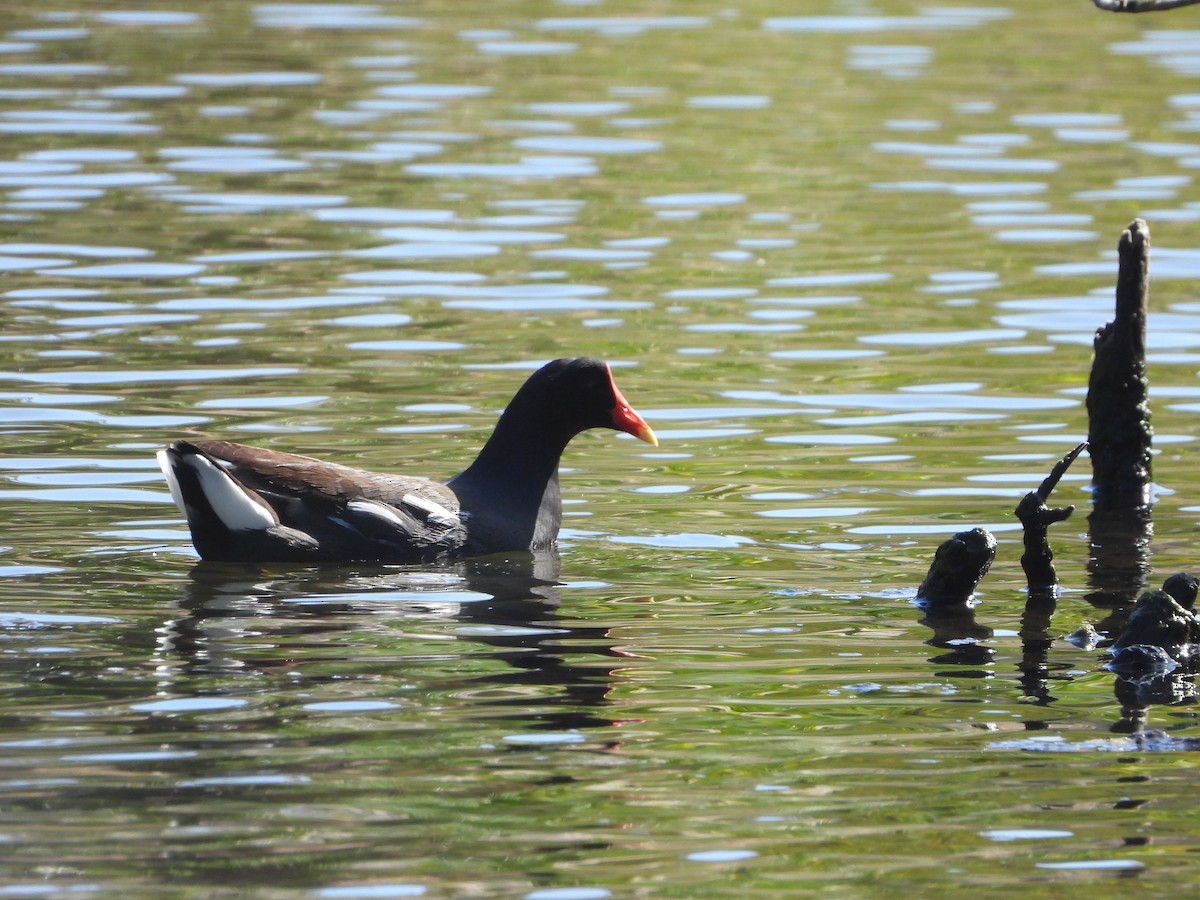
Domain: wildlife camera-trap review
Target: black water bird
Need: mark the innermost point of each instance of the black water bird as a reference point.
(248, 504)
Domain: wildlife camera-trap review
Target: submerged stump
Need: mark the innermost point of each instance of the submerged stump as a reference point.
(947, 598)
(1120, 434)
(1155, 657)
(957, 568)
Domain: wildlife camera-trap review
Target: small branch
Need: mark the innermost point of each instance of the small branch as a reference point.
(1038, 562)
(1056, 474)
(1037, 517)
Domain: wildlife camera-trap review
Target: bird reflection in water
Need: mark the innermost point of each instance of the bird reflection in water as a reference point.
(557, 672)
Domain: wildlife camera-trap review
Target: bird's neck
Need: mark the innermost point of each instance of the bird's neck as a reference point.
(513, 482)
(524, 448)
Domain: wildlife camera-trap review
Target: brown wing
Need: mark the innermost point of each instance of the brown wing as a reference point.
(299, 476)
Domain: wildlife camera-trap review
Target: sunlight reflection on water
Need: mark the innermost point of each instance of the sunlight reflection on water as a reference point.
(827, 253)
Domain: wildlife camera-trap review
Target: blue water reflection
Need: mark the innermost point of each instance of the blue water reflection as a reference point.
(849, 263)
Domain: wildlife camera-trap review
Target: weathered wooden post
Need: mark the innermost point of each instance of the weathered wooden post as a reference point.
(1119, 432)
(1120, 435)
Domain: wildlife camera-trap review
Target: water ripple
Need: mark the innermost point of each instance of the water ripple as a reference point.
(837, 439)
(587, 145)
(816, 512)
(933, 18)
(76, 250)
(17, 263)
(150, 18)
(526, 48)
(405, 346)
(591, 254)
(252, 201)
(549, 167)
(231, 160)
(942, 338)
(148, 270)
(87, 179)
(433, 91)
(53, 70)
(427, 250)
(995, 165)
(414, 277)
(475, 236)
(831, 280)
(901, 400)
(75, 376)
(226, 80)
(698, 199)
(378, 215)
(730, 101)
(687, 540)
(893, 60)
(579, 108)
(337, 16)
(621, 25)
(272, 304)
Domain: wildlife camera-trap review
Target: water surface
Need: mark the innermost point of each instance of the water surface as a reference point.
(848, 262)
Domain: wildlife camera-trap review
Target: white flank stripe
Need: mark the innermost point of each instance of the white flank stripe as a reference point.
(378, 511)
(433, 511)
(236, 511)
(164, 463)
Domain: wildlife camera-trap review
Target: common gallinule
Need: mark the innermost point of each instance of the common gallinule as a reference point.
(247, 504)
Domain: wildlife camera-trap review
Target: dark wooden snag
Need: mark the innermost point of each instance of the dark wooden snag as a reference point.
(947, 599)
(1037, 516)
(1120, 435)
(1119, 432)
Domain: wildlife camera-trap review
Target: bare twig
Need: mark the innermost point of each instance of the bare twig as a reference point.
(1038, 563)
(1037, 517)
